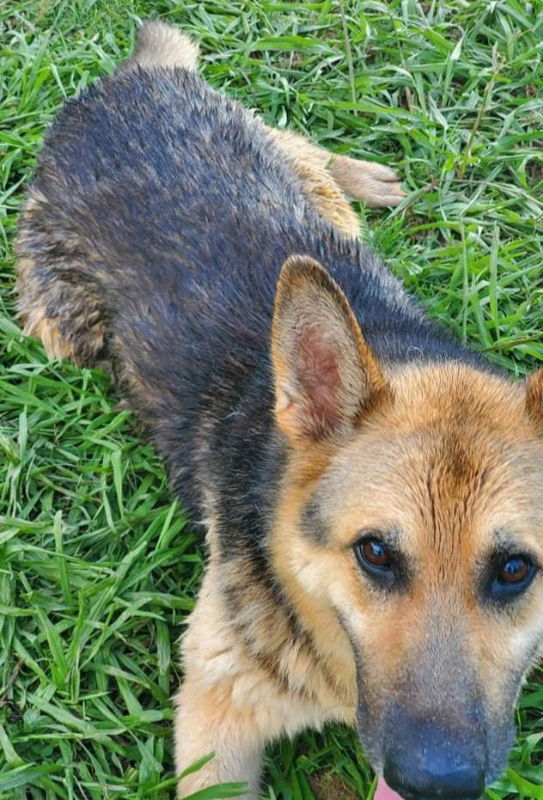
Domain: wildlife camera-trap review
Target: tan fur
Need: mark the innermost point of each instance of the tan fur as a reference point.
(33, 315)
(37, 324)
(160, 45)
(228, 705)
(327, 178)
(310, 164)
(376, 185)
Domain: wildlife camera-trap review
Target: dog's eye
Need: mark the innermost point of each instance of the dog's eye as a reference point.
(513, 575)
(383, 563)
(375, 558)
(514, 570)
(376, 553)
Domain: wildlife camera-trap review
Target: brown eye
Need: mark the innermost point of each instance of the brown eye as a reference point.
(515, 570)
(510, 576)
(375, 552)
(382, 563)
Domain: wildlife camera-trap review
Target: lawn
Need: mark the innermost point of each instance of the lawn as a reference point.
(98, 569)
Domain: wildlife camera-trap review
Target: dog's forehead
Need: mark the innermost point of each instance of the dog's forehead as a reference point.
(439, 477)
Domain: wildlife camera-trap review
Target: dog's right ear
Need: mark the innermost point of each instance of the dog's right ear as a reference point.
(326, 376)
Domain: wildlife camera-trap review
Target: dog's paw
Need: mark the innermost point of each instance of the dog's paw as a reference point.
(374, 184)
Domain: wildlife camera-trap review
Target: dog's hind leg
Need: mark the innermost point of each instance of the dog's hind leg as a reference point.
(318, 185)
(329, 175)
(56, 303)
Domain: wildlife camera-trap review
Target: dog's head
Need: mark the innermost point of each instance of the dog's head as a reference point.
(409, 534)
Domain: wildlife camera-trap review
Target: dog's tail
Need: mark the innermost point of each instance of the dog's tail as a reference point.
(162, 45)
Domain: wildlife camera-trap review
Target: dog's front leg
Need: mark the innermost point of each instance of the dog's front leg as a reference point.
(228, 705)
(211, 720)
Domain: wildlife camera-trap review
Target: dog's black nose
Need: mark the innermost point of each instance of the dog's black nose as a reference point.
(433, 764)
(466, 782)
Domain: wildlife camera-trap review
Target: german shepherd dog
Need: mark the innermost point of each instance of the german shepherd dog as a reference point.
(372, 491)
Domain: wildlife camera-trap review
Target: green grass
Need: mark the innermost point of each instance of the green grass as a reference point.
(97, 569)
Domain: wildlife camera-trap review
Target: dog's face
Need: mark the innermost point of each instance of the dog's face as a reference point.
(411, 518)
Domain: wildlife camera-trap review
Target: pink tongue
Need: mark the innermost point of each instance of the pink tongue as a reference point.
(384, 792)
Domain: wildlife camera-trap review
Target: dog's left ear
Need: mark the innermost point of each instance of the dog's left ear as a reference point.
(534, 397)
(326, 376)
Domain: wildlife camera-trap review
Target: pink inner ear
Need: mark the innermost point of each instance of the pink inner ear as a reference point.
(384, 792)
(318, 375)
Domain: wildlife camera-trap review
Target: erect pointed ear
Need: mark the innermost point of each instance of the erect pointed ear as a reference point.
(534, 397)
(326, 376)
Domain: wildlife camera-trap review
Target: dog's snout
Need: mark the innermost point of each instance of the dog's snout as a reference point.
(429, 763)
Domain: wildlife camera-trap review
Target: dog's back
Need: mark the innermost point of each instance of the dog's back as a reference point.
(153, 172)
(160, 216)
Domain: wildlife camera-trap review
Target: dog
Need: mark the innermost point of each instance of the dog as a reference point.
(371, 489)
